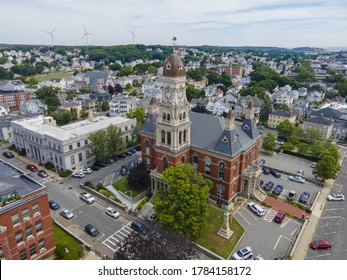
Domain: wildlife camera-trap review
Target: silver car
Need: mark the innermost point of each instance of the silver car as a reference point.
(66, 213)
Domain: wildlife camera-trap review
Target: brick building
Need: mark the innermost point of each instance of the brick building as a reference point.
(25, 222)
(218, 148)
(13, 99)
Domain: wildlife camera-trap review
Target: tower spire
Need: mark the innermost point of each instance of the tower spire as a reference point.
(230, 120)
(249, 110)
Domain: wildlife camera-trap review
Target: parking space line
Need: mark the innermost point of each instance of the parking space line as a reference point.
(278, 240)
(122, 234)
(331, 217)
(108, 240)
(327, 233)
(333, 209)
(285, 222)
(323, 255)
(102, 235)
(270, 215)
(296, 229)
(112, 249)
(250, 213)
(244, 218)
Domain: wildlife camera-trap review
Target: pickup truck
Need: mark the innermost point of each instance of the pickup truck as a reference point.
(87, 197)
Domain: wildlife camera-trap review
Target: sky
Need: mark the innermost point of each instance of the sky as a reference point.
(278, 23)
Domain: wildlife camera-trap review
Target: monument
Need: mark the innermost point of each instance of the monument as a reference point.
(225, 230)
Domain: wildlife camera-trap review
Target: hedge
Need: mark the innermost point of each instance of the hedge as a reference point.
(312, 158)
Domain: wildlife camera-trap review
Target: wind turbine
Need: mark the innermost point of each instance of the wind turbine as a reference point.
(133, 32)
(51, 33)
(86, 35)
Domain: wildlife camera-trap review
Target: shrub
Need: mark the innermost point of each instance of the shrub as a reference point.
(112, 197)
(49, 165)
(89, 184)
(22, 152)
(311, 158)
(99, 186)
(64, 173)
(143, 202)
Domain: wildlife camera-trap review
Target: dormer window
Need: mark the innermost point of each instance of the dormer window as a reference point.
(246, 127)
(225, 139)
(168, 66)
(180, 66)
(148, 120)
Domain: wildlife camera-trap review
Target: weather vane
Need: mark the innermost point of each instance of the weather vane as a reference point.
(174, 42)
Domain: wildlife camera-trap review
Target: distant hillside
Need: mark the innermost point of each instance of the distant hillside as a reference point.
(308, 49)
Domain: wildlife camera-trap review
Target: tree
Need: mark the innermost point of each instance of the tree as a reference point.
(50, 97)
(269, 142)
(332, 151)
(182, 205)
(327, 168)
(111, 90)
(157, 244)
(114, 140)
(98, 144)
(138, 178)
(297, 135)
(285, 129)
(313, 135)
(303, 148)
(104, 106)
(5, 75)
(118, 88)
(288, 146)
(265, 110)
(317, 149)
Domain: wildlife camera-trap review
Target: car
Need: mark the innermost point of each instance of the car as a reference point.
(258, 210)
(261, 161)
(42, 174)
(280, 216)
(268, 186)
(95, 167)
(108, 114)
(53, 205)
(32, 167)
(321, 244)
(304, 197)
(123, 170)
(266, 170)
(258, 258)
(275, 173)
(336, 197)
(291, 195)
(109, 161)
(8, 154)
(314, 164)
(115, 158)
(138, 148)
(279, 141)
(243, 254)
(261, 127)
(100, 163)
(127, 154)
(87, 197)
(131, 166)
(78, 174)
(297, 179)
(66, 213)
(261, 182)
(86, 170)
(138, 226)
(112, 212)
(91, 230)
(133, 150)
(121, 156)
(300, 172)
(277, 190)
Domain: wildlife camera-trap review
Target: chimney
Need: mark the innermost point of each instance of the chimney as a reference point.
(230, 120)
(90, 115)
(249, 110)
(49, 120)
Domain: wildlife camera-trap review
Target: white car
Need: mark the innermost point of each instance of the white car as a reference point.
(87, 198)
(86, 170)
(78, 174)
(243, 254)
(336, 197)
(314, 164)
(112, 212)
(297, 179)
(257, 209)
(66, 213)
(258, 258)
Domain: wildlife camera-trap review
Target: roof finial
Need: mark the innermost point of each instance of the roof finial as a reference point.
(174, 42)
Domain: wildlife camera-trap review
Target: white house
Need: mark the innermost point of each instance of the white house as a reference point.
(121, 105)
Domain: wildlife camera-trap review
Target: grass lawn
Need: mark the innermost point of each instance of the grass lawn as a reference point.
(63, 240)
(55, 75)
(215, 243)
(122, 186)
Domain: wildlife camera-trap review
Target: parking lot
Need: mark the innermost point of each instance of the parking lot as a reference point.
(266, 237)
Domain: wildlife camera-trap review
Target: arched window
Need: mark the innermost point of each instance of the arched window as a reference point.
(180, 116)
(233, 189)
(148, 162)
(184, 136)
(221, 169)
(207, 166)
(163, 136)
(164, 116)
(195, 161)
(165, 162)
(180, 137)
(183, 159)
(168, 117)
(147, 147)
(184, 115)
(169, 138)
(248, 159)
(235, 168)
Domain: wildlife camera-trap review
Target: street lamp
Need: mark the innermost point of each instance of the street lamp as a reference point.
(56, 171)
(132, 202)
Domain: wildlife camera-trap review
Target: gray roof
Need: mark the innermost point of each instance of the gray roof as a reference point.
(249, 127)
(245, 99)
(318, 120)
(96, 76)
(282, 113)
(150, 124)
(327, 112)
(340, 125)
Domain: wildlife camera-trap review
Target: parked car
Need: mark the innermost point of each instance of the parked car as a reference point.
(314, 164)
(109, 161)
(258, 258)
(280, 216)
(261, 127)
(112, 212)
(277, 190)
(279, 141)
(291, 195)
(8, 154)
(138, 226)
(258, 210)
(261, 182)
(133, 150)
(243, 254)
(127, 154)
(300, 172)
(100, 163)
(32, 167)
(261, 161)
(53, 205)
(275, 173)
(321, 244)
(42, 174)
(336, 197)
(78, 174)
(304, 197)
(297, 179)
(131, 166)
(86, 170)
(123, 170)
(266, 170)
(91, 230)
(66, 213)
(268, 186)
(87, 197)
(95, 167)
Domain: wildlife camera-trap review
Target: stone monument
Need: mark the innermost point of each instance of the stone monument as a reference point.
(225, 230)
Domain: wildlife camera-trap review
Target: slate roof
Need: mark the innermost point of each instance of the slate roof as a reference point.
(150, 124)
(327, 112)
(282, 113)
(318, 120)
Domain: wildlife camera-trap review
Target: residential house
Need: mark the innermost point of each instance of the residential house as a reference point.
(122, 105)
(321, 123)
(152, 92)
(241, 106)
(32, 107)
(276, 117)
(315, 96)
(73, 105)
(124, 81)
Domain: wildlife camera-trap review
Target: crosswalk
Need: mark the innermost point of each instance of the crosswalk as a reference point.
(46, 180)
(270, 215)
(113, 241)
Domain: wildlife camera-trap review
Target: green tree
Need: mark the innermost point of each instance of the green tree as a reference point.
(303, 148)
(265, 110)
(269, 142)
(125, 71)
(313, 135)
(98, 144)
(182, 205)
(288, 146)
(32, 81)
(332, 151)
(140, 116)
(297, 135)
(5, 74)
(285, 129)
(104, 106)
(327, 168)
(226, 80)
(3, 60)
(138, 178)
(114, 140)
(317, 149)
(50, 97)
(115, 66)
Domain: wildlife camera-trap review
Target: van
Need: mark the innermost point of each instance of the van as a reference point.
(300, 172)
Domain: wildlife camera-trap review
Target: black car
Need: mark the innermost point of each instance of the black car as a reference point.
(261, 182)
(109, 161)
(122, 156)
(268, 187)
(53, 205)
(42, 174)
(266, 170)
(100, 164)
(275, 173)
(138, 226)
(8, 154)
(277, 190)
(91, 230)
(95, 167)
(123, 170)
(304, 197)
(262, 162)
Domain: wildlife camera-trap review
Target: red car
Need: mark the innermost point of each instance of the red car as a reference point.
(280, 217)
(320, 244)
(32, 167)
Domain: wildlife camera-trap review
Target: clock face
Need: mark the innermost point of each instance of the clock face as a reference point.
(168, 94)
(180, 94)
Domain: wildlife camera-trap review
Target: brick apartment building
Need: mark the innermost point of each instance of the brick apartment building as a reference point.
(26, 231)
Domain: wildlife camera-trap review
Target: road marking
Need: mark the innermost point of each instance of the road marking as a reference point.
(333, 209)
(270, 215)
(278, 240)
(331, 217)
(330, 233)
(296, 229)
(286, 221)
(102, 235)
(323, 255)
(250, 212)
(244, 218)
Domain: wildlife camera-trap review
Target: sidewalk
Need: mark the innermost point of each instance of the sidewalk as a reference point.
(123, 197)
(306, 236)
